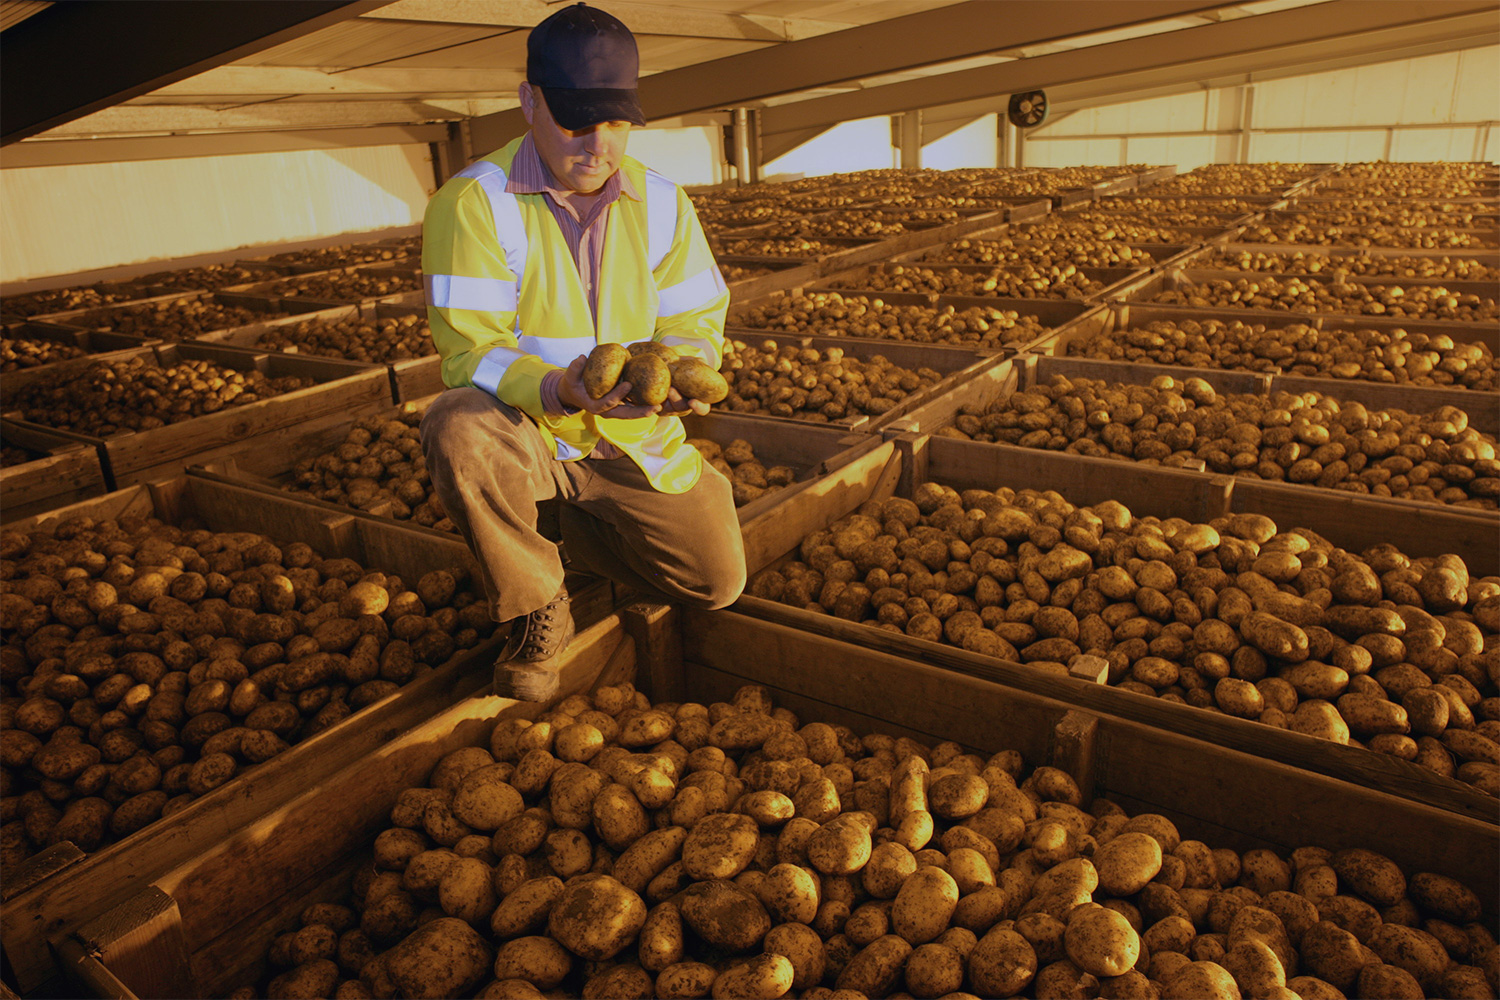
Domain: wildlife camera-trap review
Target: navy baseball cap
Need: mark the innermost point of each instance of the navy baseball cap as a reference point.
(586, 63)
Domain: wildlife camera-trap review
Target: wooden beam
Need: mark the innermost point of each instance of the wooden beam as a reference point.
(958, 31)
(72, 59)
(51, 153)
(1280, 38)
(255, 118)
(240, 84)
(642, 18)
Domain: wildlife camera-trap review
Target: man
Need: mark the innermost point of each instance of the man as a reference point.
(532, 255)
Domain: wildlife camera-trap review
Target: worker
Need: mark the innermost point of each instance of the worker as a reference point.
(533, 255)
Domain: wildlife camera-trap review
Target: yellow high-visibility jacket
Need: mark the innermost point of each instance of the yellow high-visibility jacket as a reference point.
(506, 304)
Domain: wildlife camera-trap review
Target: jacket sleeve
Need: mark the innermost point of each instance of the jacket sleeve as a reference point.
(693, 296)
(472, 301)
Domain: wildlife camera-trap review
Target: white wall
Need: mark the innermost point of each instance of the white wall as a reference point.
(974, 145)
(858, 145)
(1428, 108)
(688, 156)
(56, 220)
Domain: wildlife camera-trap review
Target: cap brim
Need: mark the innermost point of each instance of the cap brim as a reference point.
(581, 109)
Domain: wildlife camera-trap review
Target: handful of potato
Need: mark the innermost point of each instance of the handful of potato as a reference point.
(1235, 615)
(145, 664)
(651, 369)
(615, 848)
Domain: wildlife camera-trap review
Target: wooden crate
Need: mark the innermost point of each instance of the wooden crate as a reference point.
(280, 288)
(102, 319)
(785, 272)
(1200, 259)
(204, 927)
(126, 348)
(134, 292)
(342, 387)
(932, 256)
(66, 471)
(411, 378)
(955, 364)
(1166, 493)
(61, 888)
(1111, 277)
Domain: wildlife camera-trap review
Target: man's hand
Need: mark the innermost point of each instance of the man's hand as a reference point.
(676, 404)
(570, 392)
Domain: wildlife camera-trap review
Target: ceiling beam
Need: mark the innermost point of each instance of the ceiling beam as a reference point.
(1316, 25)
(959, 31)
(244, 84)
(642, 18)
(74, 58)
(168, 118)
(1269, 64)
(52, 153)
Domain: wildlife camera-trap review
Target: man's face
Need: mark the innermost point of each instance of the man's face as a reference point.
(580, 161)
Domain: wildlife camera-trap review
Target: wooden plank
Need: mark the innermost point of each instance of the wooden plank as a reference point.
(1483, 408)
(657, 631)
(1074, 750)
(1352, 764)
(65, 472)
(141, 942)
(767, 537)
(91, 976)
(38, 868)
(1357, 522)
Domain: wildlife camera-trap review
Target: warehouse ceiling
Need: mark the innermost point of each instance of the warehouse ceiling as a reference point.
(286, 74)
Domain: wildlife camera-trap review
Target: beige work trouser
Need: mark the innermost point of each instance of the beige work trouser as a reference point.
(491, 467)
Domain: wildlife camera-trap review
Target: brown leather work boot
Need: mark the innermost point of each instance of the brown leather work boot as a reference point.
(528, 667)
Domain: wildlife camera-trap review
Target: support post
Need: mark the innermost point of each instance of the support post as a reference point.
(1247, 122)
(746, 146)
(1010, 142)
(911, 140)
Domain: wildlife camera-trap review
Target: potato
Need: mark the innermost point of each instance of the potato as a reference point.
(466, 892)
(661, 941)
(648, 857)
(1373, 876)
(596, 917)
(525, 909)
(602, 371)
(306, 982)
(1002, 964)
(619, 818)
(958, 796)
(1127, 862)
(1101, 941)
(483, 800)
(1332, 954)
(721, 845)
(889, 866)
(790, 893)
(801, 946)
(540, 961)
(649, 379)
(767, 975)
(1445, 897)
(841, 846)
(1200, 981)
(924, 905)
(876, 968)
(1412, 949)
(725, 915)
(695, 379)
(442, 958)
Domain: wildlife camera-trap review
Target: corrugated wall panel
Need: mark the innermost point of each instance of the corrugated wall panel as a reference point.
(56, 220)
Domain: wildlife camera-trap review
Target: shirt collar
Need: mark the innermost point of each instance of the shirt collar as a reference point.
(529, 175)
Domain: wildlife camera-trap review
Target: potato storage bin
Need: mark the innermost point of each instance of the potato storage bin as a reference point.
(867, 279)
(772, 542)
(50, 302)
(47, 345)
(188, 935)
(953, 365)
(340, 286)
(1370, 520)
(61, 887)
(52, 471)
(181, 316)
(340, 387)
(948, 256)
(411, 378)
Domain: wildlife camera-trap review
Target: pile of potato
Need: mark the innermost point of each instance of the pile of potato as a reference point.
(1140, 203)
(822, 226)
(210, 277)
(1389, 356)
(176, 319)
(1381, 213)
(346, 256)
(920, 218)
(737, 272)
(1106, 227)
(1309, 262)
(1301, 438)
(346, 286)
(1194, 218)
(834, 314)
(804, 383)
(379, 467)
(615, 848)
(12, 455)
(1310, 234)
(1082, 252)
(781, 248)
(1297, 294)
(749, 478)
(146, 664)
(819, 201)
(1235, 615)
(753, 214)
(29, 352)
(1413, 180)
(106, 398)
(55, 300)
(389, 338)
(1023, 281)
(1231, 179)
(931, 200)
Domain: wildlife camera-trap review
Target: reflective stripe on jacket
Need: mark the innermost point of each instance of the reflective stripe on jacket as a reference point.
(506, 304)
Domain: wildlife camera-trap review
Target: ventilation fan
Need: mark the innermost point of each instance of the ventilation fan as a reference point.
(1028, 109)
